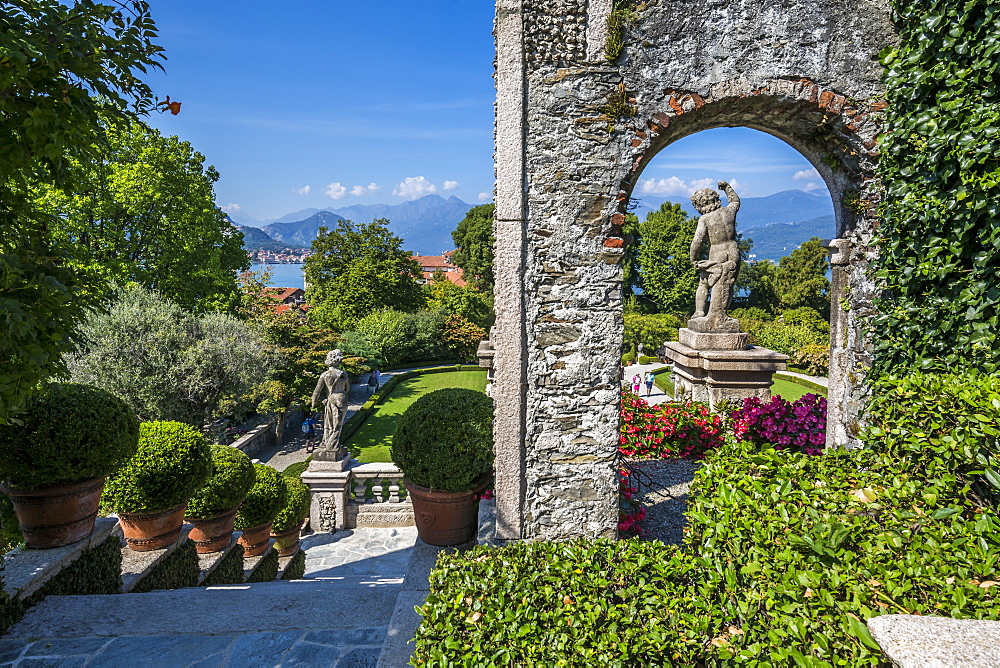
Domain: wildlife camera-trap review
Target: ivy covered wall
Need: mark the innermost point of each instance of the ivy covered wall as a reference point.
(940, 162)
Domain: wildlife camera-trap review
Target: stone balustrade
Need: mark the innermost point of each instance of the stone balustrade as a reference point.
(365, 495)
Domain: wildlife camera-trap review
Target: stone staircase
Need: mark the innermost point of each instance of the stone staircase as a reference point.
(354, 607)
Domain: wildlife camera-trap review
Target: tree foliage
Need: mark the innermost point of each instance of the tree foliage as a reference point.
(168, 363)
(468, 302)
(63, 67)
(662, 258)
(475, 241)
(357, 269)
(939, 252)
(146, 213)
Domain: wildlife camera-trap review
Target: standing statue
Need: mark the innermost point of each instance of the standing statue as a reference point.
(718, 273)
(336, 384)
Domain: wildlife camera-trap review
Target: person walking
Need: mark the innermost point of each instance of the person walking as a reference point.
(636, 384)
(309, 429)
(372, 382)
(650, 378)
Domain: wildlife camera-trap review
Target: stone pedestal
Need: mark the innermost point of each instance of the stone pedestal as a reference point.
(713, 368)
(327, 481)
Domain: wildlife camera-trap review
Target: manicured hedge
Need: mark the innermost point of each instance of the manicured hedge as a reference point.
(265, 500)
(172, 461)
(296, 568)
(267, 568)
(232, 476)
(229, 571)
(296, 505)
(786, 557)
(69, 432)
(179, 569)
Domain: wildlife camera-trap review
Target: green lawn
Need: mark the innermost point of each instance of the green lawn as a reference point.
(787, 389)
(371, 442)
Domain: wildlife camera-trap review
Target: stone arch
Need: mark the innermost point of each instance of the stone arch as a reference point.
(574, 132)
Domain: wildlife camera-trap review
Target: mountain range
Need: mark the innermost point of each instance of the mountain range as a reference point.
(777, 223)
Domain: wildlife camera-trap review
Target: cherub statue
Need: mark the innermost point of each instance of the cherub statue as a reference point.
(718, 273)
(336, 384)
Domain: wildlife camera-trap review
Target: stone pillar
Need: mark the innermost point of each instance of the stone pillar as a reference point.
(840, 257)
(328, 491)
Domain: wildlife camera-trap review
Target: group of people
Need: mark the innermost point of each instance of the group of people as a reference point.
(638, 381)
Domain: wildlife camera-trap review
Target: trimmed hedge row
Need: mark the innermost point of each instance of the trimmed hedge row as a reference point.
(267, 568)
(229, 571)
(179, 569)
(297, 568)
(803, 382)
(785, 558)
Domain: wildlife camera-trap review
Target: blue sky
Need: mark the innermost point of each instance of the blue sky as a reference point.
(320, 103)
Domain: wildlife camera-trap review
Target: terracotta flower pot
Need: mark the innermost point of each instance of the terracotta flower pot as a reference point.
(152, 531)
(287, 542)
(445, 518)
(255, 540)
(57, 515)
(214, 533)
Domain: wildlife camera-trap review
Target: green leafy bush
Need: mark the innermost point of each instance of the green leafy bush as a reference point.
(173, 460)
(782, 338)
(646, 359)
(954, 419)
(229, 571)
(813, 358)
(296, 505)
(264, 501)
(786, 557)
(232, 477)
(444, 440)
(69, 432)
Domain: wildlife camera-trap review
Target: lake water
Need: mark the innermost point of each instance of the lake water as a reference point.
(283, 275)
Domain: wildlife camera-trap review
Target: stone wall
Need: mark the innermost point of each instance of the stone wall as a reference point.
(573, 135)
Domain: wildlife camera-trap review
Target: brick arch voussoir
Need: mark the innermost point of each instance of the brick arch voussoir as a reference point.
(799, 111)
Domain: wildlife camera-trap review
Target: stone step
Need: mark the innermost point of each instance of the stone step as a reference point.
(349, 602)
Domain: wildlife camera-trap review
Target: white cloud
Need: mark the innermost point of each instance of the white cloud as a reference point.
(413, 187)
(483, 197)
(232, 208)
(358, 191)
(450, 185)
(674, 186)
(806, 175)
(335, 191)
(814, 186)
(304, 190)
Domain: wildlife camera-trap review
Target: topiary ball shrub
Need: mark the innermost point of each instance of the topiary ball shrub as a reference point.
(296, 505)
(444, 440)
(264, 501)
(70, 432)
(173, 460)
(232, 477)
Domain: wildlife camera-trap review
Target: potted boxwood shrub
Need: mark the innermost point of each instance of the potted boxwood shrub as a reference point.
(212, 509)
(151, 491)
(54, 463)
(288, 522)
(265, 499)
(444, 446)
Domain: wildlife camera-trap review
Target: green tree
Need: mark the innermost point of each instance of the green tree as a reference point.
(168, 363)
(146, 214)
(468, 302)
(800, 278)
(475, 241)
(665, 273)
(359, 269)
(63, 67)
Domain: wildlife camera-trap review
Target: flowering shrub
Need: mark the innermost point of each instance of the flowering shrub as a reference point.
(630, 511)
(687, 430)
(798, 425)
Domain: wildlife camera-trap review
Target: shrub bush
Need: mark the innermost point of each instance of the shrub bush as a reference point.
(814, 359)
(786, 557)
(70, 432)
(669, 429)
(628, 359)
(232, 477)
(264, 501)
(952, 418)
(646, 359)
(444, 440)
(799, 425)
(172, 461)
(296, 505)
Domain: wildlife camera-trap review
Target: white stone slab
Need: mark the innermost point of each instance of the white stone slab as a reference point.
(913, 641)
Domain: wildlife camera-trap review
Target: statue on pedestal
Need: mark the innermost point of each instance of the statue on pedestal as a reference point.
(335, 383)
(718, 273)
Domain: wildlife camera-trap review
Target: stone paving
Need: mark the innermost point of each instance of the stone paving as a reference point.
(339, 615)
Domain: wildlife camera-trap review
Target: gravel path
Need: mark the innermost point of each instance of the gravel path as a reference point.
(663, 491)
